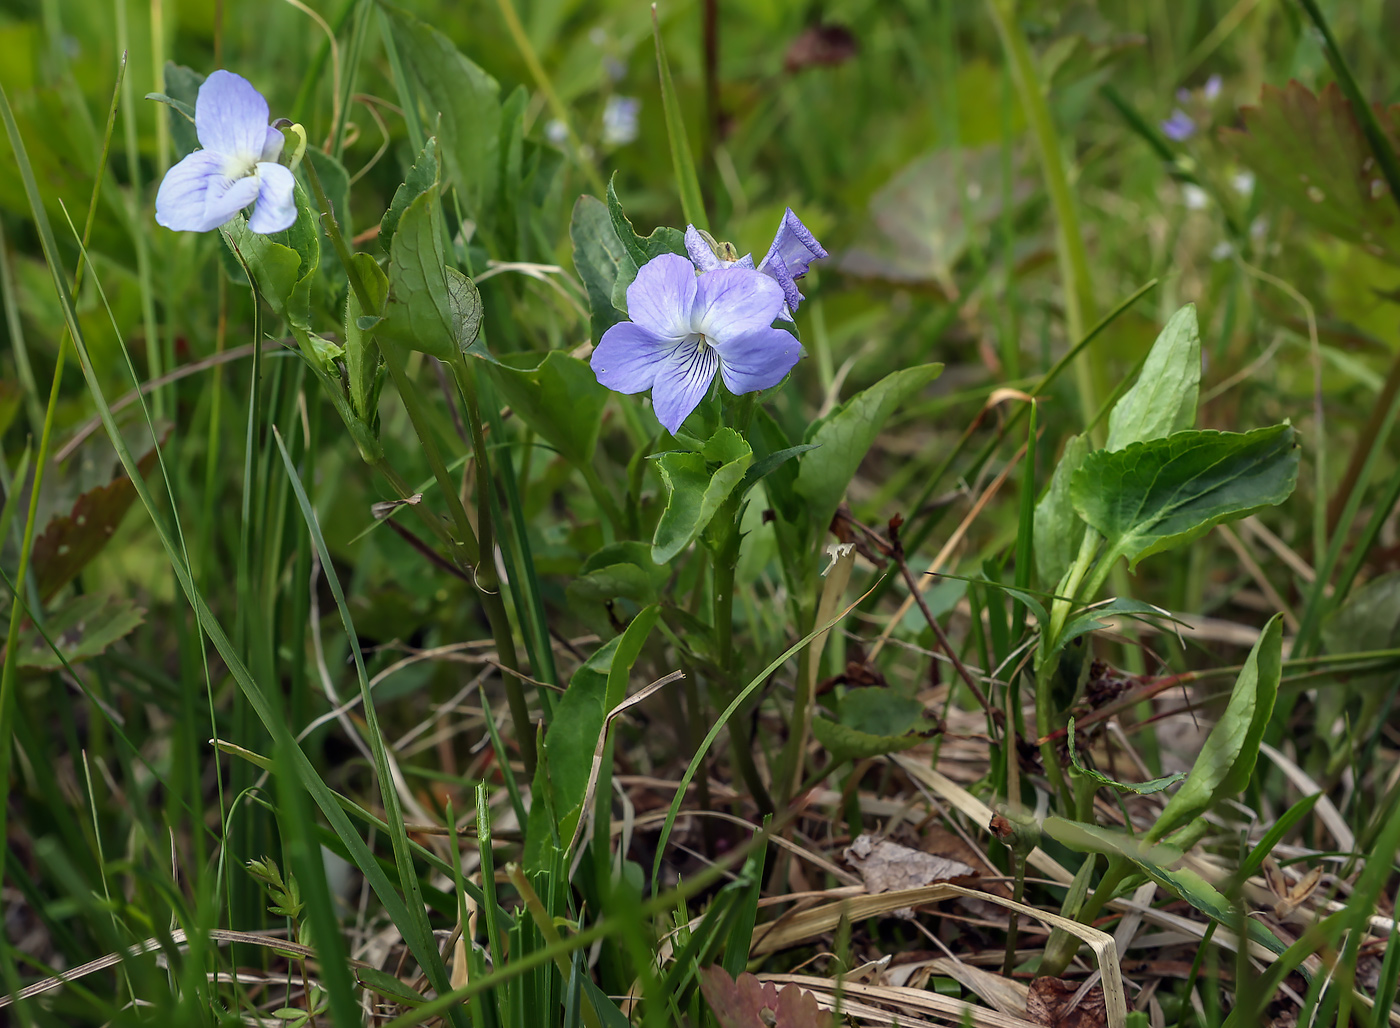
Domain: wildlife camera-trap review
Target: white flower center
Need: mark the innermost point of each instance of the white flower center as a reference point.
(237, 166)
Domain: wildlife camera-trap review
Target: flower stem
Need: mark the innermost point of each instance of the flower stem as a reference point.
(470, 553)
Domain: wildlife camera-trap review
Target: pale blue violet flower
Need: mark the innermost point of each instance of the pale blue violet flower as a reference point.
(794, 249)
(237, 165)
(1179, 127)
(686, 328)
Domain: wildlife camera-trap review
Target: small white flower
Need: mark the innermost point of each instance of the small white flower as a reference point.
(1195, 198)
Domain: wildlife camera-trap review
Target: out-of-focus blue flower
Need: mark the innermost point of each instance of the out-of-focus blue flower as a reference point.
(237, 165)
(1179, 127)
(793, 249)
(685, 328)
(620, 119)
(556, 132)
(1212, 88)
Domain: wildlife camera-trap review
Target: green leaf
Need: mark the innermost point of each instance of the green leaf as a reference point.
(1309, 152)
(846, 743)
(181, 91)
(696, 489)
(880, 711)
(1155, 861)
(1163, 400)
(765, 466)
(1155, 495)
(846, 434)
(641, 248)
(467, 99)
(1058, 529)
(335, 180)
(573, 733)
(422, 177)
(559, 397)
(361, 351)
(1226, 761)
(432, 307)
(598, 257)
(1147, 788)
(82, 628)
(384, 984)
(622, 570)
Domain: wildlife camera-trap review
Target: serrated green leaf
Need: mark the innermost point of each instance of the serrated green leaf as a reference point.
(598, 258)
(846, 434)
(1226, 761)
(422, 177)
(559, 397)
(695, 491)
(641, 248)
(1309, 152)
(1163, 400)
(82, 629)
(1156, 495)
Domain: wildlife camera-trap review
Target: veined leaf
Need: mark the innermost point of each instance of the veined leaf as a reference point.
(422, 177)
(361, 351)
(82, 628)
(1163, 400)
(1058, 529)
(1227, 758)
(598, 257)
(695, 492)
(1162, 493)
(559, 397)
(469, 102)
(432, 307)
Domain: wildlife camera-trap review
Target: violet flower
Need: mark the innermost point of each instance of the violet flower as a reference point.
(794, 249)
(1179, 127)
(686, 328)
(237, 165)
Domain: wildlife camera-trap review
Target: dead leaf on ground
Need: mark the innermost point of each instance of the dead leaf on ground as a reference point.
(749, 1003)
(71, 540)
(1052, 1003)
(887, 866)
(1290, 895)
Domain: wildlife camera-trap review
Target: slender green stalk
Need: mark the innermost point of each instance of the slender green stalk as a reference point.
(1069, 238)
(478, 556)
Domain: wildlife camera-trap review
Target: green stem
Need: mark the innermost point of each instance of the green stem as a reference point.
(726, 558)
(1069, 239)
(469, 552)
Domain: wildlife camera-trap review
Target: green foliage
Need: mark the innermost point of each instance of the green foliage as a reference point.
(1163, 493)
(432, 306)
(558, 397)
(697, 485)
(1163, 400)
(1226, 761)
(846, 435)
